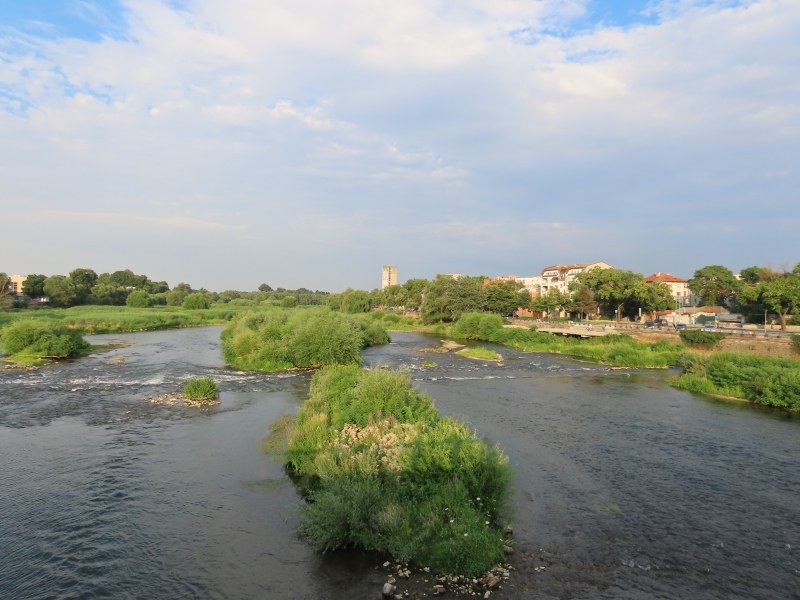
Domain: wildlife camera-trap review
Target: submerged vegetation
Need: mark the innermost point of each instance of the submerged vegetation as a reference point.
(280, 339)
(383, 471)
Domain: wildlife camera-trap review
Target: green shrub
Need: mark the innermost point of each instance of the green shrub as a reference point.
(795, 343)
(42, 339)
(701, 339)
(201, 388)
(196, 301)
(384, 472)
(479, 326)
(138, 299)
(276, 339)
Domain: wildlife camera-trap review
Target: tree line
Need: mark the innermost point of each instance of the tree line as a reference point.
(83, 286)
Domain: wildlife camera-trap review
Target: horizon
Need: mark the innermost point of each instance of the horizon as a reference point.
(232, 144)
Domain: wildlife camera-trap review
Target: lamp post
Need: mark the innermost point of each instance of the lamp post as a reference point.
(765, 322)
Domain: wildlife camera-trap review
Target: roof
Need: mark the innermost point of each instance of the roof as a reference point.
(563, 268)
(664, 278)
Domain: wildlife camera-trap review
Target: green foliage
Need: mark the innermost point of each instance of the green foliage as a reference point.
(42, 339)
(355, 301)
(479, 326)
(33, 286)
(715, 284)
(279, 339)
(795, 343)
(195, 301)
(760, 379)
(60, 290)
(201, 388)
(480, 353)
(384, 472)
(701, 339)
(446, 298)
(138, 299)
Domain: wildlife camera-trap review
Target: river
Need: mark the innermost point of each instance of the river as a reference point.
(624, 487)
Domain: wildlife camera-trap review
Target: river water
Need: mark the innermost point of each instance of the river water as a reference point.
(624, 487)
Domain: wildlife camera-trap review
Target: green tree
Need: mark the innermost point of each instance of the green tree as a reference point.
(715, 284)
(755, 275)
(616, 288)
(446, 299)
(264, 288)
(195, 301)
(415, 288)
(656, 296)
(83, 280)
(583, 301)
(138, 299)
(551, 302)
(505, 297)
(33, 286)
(60, 290)
(355, 301)
(782, 295)
(176, 295)
(5, 290)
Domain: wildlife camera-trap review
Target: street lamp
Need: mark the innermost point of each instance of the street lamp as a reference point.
(765, 322)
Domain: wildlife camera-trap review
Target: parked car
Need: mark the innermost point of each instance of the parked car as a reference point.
(681, 326)
(649, 324)
(709, 327)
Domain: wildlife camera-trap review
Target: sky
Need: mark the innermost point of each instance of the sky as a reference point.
(308, 143)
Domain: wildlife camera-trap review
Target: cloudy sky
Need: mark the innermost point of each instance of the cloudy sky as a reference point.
(308, 142)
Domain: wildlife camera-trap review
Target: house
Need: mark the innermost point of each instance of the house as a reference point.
(678, 287)
(559, 277)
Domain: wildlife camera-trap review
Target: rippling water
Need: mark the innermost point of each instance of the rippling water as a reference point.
(624, 487)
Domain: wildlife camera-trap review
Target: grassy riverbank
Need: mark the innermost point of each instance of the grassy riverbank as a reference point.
(123, 319)
(762, 380)
(385, 472)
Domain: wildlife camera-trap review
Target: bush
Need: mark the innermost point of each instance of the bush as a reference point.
(479, 326)
(201, 388)
(795, 343)
(384, 472)
(138, 299)
(279, 339)
(195, 301)
(701, 339)
(42, 339)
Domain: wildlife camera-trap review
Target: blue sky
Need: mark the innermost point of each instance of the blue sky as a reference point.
(227, 144)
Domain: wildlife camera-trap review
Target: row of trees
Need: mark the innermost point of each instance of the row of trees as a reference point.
(84, 286)
(757, 290)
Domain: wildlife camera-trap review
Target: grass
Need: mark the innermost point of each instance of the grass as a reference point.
(480, 353)
(383, 471)
(124, 319)
(32, 343)
(279, 339)
(201, 388)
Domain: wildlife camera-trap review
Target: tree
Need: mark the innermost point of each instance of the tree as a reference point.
(415, 288)
(176, 296)
(656, 296)
(355, 301)
(715, 284)
(505, 297)
(195, 301)
(755, 275)
(446, 298)
(138, 299)
(551, 302)
(33, 286)
(583, 301)
(781, 295)
(264, 288)
(616, 288)
(5, 290)
(83, 280)
(60, 290)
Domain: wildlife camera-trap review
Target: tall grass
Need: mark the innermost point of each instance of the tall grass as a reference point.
(29, 341)
(760, 379)
(277, 339)
(123, 319)
(385, 472)
(201, 388)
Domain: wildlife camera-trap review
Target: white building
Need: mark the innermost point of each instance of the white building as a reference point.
(679, 288)
(388, 276)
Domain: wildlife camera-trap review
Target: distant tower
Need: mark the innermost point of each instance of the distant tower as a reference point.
(388, 276)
